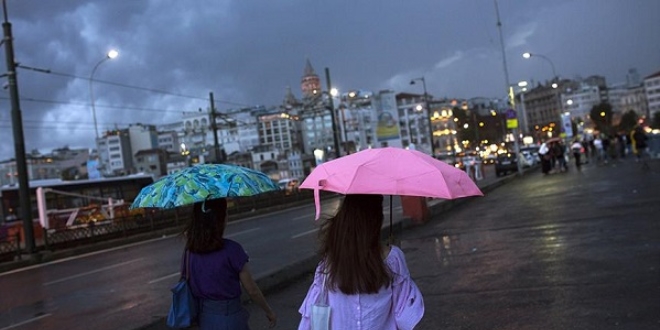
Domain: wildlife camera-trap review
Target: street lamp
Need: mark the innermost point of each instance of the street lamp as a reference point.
(554, 85)
(110, 55)
(428, 111)
(331, 106)
(523, 89)
(529, 55)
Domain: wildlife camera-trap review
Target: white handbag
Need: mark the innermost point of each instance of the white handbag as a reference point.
(321, 309)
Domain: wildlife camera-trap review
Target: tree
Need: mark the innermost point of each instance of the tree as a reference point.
(628, 121)
(601, 116)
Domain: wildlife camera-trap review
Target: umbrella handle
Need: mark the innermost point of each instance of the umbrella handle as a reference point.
(317, 198)
(317, 203)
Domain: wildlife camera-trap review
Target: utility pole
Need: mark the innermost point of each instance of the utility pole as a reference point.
(19, 141)
(509, 89)
(331, 105)
(214, 127)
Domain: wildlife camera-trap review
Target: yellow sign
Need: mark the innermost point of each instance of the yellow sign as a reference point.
(512, 123)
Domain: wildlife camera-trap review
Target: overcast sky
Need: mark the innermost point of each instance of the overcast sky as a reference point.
(173, 53)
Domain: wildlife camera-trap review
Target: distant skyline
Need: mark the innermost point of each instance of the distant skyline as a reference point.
(173, 53)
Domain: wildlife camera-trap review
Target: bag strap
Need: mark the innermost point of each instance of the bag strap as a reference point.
(186, 270)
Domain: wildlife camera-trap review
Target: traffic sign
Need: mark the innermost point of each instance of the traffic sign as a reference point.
(510, 114)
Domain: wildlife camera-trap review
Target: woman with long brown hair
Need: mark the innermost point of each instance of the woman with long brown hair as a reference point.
(218, 267)
(367, 282)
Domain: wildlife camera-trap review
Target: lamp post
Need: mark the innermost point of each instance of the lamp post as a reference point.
(523, 89)
(508, 86)
(555, 85)
(428, 111)
(529, 55)
(331, 106)
(110, 55)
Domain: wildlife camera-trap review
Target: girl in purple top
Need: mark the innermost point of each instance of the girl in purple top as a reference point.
(368, 283)
(218, 267)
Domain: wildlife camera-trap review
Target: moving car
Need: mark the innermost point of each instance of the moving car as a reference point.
(505, 163)
(447, 157)
(289, 185)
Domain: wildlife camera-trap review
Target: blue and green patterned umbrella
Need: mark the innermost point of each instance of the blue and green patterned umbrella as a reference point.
(201, 182)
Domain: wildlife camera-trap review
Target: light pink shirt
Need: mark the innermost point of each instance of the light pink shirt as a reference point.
(399, 306)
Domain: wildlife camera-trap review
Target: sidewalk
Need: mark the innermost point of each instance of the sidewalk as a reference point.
(575, 250)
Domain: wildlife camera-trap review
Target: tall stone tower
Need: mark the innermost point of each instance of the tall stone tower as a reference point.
(310, 84)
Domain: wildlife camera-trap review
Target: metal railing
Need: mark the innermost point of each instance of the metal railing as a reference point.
(150, 221)
(10, 247)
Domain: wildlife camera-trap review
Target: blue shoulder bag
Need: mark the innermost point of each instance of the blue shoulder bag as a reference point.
(183, 311)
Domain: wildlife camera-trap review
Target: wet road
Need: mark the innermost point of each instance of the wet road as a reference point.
(128, 286)
(576, 250)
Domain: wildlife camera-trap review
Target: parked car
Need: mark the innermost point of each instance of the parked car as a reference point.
(527, 159)
(506, 162)
(534, 151)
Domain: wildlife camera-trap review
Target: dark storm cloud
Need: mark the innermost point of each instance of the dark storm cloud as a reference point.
(248, 52)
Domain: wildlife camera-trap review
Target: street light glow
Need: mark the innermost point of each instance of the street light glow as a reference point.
(112, 54)
(334, 92)
(527, 55)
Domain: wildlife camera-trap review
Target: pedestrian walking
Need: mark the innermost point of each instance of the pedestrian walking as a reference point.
(546, 158)
(638, 141)
(366, 283)
(598, 146)
(577, 149)
(558, 151)
(218, 266)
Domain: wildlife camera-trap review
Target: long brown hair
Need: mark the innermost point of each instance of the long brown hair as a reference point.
(205, 230)
(351, 246)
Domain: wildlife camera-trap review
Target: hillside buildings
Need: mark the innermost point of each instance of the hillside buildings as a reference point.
(289, 139)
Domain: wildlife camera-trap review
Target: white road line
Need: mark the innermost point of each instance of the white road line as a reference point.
(26, 321)
(164, 278)
(92, 272)
(308, 217)
(241, 232)
(305, 233)
(84, 255)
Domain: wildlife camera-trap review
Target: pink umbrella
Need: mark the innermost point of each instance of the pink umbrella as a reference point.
(390, 171)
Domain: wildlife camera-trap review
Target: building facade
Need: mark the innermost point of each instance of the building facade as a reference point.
(652, 91)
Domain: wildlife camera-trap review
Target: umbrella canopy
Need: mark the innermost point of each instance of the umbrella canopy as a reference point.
(202, 182)
(390, 171)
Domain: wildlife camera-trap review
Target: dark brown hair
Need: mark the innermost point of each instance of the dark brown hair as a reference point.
(351, 246)
(205, 230)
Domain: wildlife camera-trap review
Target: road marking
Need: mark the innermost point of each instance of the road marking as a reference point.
(308, 217)
(92, 272)
(85, 255)
(241, 232)
(26, 321)
(305, 233)
(164, 278)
